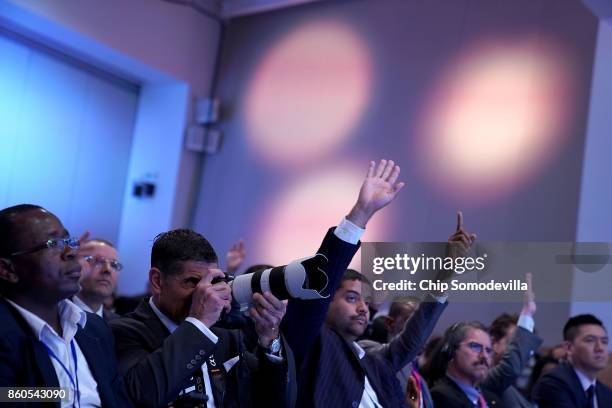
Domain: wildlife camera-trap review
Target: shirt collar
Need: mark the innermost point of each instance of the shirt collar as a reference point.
(77, 301)
(360, 352)
(70, 316)
(170, 325)
(584, 380)
(471, 392)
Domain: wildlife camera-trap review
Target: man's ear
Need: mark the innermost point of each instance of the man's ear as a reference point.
(7, 271)
(155, 281)
(389, 323)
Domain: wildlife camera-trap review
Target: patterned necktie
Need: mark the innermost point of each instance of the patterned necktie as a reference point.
(590, 392)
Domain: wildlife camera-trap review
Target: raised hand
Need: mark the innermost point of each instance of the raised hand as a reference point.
(529, 304)
(210, 300)
(267, 312)
(235, 257)
(460, 241)
(379, 188)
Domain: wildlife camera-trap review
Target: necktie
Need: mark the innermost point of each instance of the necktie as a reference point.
(590, 392)
(481, 401)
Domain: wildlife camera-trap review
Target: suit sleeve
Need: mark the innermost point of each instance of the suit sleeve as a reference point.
(504, 374)
(155, 378)
(271, 383)
(404, 348)
(551, 392)
(304, 318)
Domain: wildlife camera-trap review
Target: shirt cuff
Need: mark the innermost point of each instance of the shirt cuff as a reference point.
(526, 322)
(275, 359)
(348, 232)
(202, 327)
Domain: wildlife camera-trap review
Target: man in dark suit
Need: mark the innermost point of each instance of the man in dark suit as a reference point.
(45, 340)
(514, 342)
(168, 349)
(99, 275)
(333, 370)
(466, 354)
(575, 385)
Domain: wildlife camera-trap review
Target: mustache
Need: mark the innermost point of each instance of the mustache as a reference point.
(483, 362)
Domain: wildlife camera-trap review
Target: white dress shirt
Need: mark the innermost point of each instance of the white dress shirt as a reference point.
(586, 383)
(77, 301)
(70, 316)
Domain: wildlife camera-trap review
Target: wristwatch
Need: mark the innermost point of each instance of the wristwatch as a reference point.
(274, 347)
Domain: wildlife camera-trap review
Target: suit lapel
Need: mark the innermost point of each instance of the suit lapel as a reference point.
(44, 363)
(91, 349)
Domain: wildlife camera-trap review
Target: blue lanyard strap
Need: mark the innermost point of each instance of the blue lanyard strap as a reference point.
(75, 380)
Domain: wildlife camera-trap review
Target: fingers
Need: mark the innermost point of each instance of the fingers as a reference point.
(381, 168)
(397, 187)
(388, 169)
(528, 279)
(371, 169)
(84, 237)
(459, 220)
(212, 274)
(394, 174)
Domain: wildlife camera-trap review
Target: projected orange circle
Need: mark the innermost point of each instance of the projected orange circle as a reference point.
(294, 226)
(496, 117)
(307, 93)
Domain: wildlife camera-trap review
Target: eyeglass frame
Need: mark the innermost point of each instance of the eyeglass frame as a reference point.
(478, 348)
(100, 259)
(52, 243)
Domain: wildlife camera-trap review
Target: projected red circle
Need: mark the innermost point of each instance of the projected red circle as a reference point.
(497, 116)
(308, 93)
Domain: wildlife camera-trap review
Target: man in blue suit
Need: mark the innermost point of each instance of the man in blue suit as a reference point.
(575, 385)
(45, 339)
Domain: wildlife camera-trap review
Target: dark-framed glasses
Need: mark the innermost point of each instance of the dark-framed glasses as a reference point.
(54, 243)
(479, 348)
(99, 260)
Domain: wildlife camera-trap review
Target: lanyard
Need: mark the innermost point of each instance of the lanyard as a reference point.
(75, 380)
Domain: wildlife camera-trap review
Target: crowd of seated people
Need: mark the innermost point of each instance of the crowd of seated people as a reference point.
(186, 343)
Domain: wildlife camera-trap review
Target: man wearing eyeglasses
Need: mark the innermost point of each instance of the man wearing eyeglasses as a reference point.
(46, 340)
(479, 372)
(99, 275)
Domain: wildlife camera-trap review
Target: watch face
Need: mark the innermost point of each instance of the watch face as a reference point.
(275, 346)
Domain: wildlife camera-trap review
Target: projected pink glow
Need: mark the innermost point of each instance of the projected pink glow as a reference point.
(496, 117)
(308, 93)
(294, 226)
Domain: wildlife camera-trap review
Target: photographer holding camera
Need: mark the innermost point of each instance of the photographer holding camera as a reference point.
(170, 353)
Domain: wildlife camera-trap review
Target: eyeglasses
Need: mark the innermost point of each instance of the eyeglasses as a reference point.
(98, 260)
(55, 243)
(479, 348)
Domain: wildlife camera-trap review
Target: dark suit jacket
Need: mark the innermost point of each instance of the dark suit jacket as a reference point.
(157, 365)
(330, 372)
(503, 376)
(447, 394)
(403, 375)
(561, 388)
(24, 361)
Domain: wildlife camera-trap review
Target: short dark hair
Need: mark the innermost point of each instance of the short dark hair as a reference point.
(351, 274)
(9, 229)
(501, 324)
(180, 245)
(571, 328)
